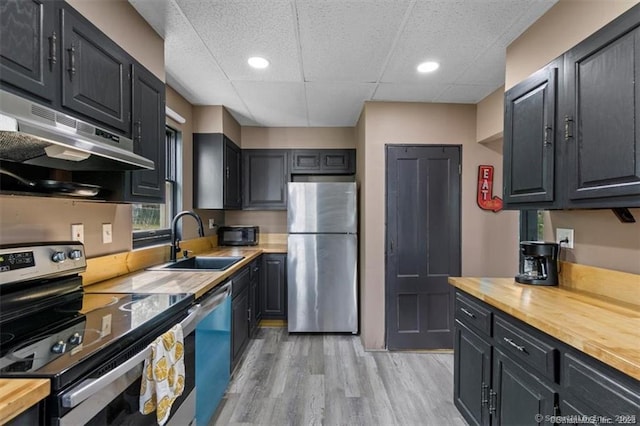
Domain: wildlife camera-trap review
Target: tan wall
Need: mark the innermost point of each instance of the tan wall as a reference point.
(489, 240)
(34, 219)
(270, 222)
(231, 128)
(216, 119)
(298, 137)
(120, 22)
(600, 239)
(29, 219)
(490, 117)
(562, 27)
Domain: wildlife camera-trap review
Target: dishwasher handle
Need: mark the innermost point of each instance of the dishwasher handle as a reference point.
(210, 303)
(89, 387)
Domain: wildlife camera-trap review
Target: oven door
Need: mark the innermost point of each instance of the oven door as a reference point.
(113, 399)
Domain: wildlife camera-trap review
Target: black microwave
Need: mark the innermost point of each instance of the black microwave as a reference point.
(238, 235)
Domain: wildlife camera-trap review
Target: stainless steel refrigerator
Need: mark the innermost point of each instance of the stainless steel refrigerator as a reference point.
(322, 257)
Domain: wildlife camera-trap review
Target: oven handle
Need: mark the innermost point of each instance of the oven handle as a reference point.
(89, 387)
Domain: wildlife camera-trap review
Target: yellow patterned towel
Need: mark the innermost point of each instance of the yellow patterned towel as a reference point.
(163, 375)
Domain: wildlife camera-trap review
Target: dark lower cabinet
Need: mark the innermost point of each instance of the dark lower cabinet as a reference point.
(255, 308)
(472, 361)
(517, 396)
(239, 314)
(274, 286)
(513, 374)
(29, 54)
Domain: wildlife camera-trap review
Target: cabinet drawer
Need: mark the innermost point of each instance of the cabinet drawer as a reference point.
(535, 351)
(240, 282)
(599, 389)
(472, 314)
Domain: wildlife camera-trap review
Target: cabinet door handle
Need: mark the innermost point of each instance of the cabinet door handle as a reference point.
(568, 127)
(468, 313)
(138, 137)
(514, 344)
(52, 50)
(493, 400)
(227, 172)
(484, 399)
(249, 314)
(72, 61)
(547, 135)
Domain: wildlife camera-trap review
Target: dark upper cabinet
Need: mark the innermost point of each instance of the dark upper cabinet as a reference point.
(323, 161)
(96, 79)
(603, 116)
(29, 53)
(529, 139)
(274, 286)
(233, 175)
(216, 172)
(590, 153)
(148, 134)
(266, 174)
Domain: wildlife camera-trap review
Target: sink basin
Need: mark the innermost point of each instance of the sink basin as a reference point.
(200, 263)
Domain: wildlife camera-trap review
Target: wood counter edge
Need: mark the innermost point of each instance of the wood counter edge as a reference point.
(587, 346)
(17, 395)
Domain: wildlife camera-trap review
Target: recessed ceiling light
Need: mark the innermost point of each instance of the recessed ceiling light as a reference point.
(258, 62)
(428, 66)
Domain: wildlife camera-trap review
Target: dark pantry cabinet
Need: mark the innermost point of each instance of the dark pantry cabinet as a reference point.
(572, 129)
(506, 372)
(265, 177)
(216, 172)
(274, 286)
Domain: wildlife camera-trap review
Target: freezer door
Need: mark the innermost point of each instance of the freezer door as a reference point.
(327, 207)
(322, 277)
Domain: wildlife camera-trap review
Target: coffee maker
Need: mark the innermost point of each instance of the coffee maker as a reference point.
(538, 263)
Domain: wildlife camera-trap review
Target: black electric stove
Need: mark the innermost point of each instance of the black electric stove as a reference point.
(50, 328)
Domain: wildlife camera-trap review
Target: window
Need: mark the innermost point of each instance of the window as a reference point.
(151, 222)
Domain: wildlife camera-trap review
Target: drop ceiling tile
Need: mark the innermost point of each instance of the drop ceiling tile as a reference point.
(347, 40)
(407, 92)
(273, 103)
(488, 69)
(233, 31)
(336, 104)
(464, 93)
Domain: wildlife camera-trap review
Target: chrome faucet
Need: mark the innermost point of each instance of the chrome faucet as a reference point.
(175, 247)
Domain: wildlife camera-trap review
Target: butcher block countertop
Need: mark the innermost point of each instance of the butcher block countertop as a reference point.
(16, 395)
(600, 326)
(197, 283)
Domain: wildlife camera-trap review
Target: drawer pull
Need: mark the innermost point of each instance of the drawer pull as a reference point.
(514, 344)
(468, 313)
(484, 398)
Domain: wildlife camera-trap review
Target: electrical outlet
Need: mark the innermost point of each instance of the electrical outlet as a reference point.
(562, 234)
(212, 223)
(77, 232)
(107, 233)
(105, 329)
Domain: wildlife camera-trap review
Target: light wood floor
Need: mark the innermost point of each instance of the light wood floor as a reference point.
(330, 380)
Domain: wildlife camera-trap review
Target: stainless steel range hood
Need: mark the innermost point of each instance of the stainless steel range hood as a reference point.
(34, 134)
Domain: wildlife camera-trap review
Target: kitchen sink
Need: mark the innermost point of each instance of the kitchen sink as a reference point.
(199, 263)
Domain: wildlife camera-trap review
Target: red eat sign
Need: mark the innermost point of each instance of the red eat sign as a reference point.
(486, 200)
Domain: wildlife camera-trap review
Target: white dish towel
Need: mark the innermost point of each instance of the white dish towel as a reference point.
(163, 375)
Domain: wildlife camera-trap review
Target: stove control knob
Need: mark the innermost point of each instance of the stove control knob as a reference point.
(76, 339)
(59, 256)
(59, 347)
(75, 254)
